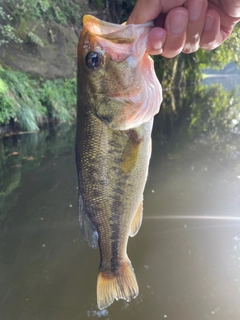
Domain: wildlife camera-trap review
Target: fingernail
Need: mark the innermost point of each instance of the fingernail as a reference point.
(208, 22)
(157, 44)
(195, 10)
(178, 22)
(156, 38)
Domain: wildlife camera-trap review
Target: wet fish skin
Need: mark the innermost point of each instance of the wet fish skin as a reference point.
(113, 146)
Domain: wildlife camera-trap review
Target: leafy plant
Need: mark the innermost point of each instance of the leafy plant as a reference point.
(21, 17)
(59, 96)
(7, 31)
(35, 38)
(27, 101)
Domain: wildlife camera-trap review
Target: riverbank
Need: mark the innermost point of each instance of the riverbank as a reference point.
(38, 53)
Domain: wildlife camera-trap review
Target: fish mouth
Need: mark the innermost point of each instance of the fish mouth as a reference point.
(110, 30)
(99, 27)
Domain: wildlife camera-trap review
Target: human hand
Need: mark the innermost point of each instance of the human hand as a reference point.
(186, 25)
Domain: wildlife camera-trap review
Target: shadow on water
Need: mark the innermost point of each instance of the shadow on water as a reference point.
(187, 253)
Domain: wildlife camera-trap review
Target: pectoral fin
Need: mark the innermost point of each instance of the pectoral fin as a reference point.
(130, 154)
(137, 220)
(90, 234)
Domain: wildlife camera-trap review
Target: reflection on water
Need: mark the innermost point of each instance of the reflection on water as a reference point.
(229, 82)
(186, 255)
(169, 217)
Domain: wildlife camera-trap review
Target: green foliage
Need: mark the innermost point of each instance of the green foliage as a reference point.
(59, 96)
(7, 108)
(59, 11)
(215, 110)
(179, 71)
(199, 109)
(20, 101)
(28, 101)
(7, 31)
(35, 38)
(227, 52)
(21, 17)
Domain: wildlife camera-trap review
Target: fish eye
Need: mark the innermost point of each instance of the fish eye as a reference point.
(94, 60)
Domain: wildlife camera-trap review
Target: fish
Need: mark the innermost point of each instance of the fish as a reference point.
(118, 96)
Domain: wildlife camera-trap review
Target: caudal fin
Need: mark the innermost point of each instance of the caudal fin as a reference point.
(118, 285)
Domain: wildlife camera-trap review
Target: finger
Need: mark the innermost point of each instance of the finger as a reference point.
(175, 25)
(212, 35)
(156, 40)
(147, 10)
(231, 8)
(229, 14)
(197, 11)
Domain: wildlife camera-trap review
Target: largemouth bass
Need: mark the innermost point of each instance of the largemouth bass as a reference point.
(118, 96)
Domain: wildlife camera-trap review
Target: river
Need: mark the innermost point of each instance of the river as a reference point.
(186, 255)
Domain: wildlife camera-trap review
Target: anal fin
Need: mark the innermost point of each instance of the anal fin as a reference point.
(89, 232)
(137, 220)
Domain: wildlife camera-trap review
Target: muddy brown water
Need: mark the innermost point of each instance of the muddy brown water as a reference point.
(186, 255)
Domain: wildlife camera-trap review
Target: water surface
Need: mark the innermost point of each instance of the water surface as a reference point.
(186, 255)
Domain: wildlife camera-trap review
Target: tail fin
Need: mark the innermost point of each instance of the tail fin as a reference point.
(119, 285)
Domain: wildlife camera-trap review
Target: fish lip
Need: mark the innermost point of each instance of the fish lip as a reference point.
(101, 28)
